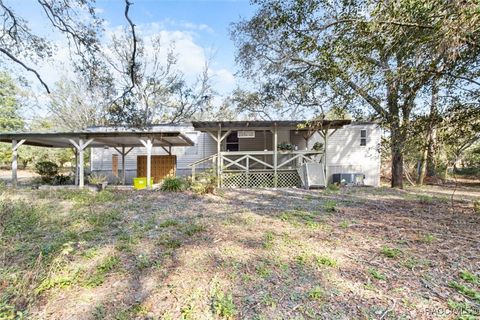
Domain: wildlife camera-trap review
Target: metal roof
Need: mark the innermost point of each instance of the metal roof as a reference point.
(206, 125)
(127, 138)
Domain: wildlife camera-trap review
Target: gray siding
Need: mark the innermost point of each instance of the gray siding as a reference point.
(344, 153)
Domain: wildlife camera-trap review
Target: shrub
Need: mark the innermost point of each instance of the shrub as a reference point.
(97, 178)
(205, 182)
(61, 179)
(285, 146)
(476, 206)
(172, 184)
(47, 170)
(318, 146)
(333, 187)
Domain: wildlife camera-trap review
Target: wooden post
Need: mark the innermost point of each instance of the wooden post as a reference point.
(124, 174)
(76, 166)
(81, 178)
(219, 147)
(124, 167)
(247, 173)
(275, 156)
(325, 140)
(15, 146)
(80, 146)
(193, 173)
(148, 145)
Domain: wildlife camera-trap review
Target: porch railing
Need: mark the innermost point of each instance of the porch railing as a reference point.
(251, 160)
(241, 165)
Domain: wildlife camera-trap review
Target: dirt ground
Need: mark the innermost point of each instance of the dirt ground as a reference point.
(353, 253)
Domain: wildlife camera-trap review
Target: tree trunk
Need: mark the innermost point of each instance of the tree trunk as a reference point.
(432, 131)
(397, 142)
(422, 169)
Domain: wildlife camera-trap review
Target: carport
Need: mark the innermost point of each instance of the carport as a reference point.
(123, 141)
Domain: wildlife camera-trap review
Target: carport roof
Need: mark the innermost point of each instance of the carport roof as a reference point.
(101, 138)
(261, 124)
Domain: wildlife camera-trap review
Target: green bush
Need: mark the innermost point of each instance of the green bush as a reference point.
(318, 146)
(206, 182)
(61, 179)
(47, 170)
(173, 184)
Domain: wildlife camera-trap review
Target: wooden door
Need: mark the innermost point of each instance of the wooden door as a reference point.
(162, 166)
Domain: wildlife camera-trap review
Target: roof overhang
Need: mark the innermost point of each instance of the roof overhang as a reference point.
(100, 138)
(263, 125)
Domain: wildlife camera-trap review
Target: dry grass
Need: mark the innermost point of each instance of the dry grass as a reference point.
(258, 254)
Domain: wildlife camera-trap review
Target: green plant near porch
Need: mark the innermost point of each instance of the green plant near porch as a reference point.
(285, 146)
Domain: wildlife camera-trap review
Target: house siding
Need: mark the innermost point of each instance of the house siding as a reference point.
(344, 153)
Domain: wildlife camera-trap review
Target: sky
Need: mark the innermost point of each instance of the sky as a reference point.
(199, 28)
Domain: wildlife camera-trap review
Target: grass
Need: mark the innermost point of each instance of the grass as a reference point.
(390, 252)
(272, 254)
(223, 305)
(465, 290)
(326, 261)
(377, 274)
(316, 293)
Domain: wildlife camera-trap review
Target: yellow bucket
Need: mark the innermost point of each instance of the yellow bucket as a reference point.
(141, 183)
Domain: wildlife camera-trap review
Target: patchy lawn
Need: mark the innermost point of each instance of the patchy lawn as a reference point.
(360, 253)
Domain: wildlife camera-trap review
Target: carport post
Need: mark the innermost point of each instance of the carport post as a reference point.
(15, 146)
(148, 145)
(80, 146)
(124, 154)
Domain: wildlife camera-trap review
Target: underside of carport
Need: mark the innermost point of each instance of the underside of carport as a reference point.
(122, 141)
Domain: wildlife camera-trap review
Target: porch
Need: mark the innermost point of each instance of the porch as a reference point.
(240, 164)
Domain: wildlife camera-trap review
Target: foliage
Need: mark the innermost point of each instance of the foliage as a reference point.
(61, 179)
(97, 178)
(326, 261)
(390, 252)
(380, 57)
(47, 170)
(173, 184)
(204, 183)
(476, 206)
(76, 20)
(223, 305)
(285, 146)
(377, 274)
(318, 146)
(10, 119)
(160, 92)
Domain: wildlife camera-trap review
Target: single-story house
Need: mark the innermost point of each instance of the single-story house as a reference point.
(253, 153)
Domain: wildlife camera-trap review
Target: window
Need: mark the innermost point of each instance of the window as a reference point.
(363, 137)
(232, 141)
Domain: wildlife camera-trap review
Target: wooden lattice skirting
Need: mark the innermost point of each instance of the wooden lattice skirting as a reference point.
(260, 179)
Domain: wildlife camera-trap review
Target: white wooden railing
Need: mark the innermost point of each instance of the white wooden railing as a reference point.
(249, 161)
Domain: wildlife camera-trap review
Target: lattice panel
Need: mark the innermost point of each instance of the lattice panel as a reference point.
(286, 179)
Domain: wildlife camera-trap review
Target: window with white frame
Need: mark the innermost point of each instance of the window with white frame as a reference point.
(363, 137)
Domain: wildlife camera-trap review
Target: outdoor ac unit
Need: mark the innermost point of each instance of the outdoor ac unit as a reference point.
(348, 178)
(246, 134)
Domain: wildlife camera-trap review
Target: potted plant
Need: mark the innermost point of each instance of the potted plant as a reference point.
(98, 180)
(285, 147)
(317, 146)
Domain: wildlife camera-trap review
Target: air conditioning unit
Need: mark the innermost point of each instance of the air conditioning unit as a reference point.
(349, 178)
(246, 134)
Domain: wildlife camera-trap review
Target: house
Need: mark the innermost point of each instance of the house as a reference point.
(250, 153)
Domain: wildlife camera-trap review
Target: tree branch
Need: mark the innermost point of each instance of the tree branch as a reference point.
(134, 51)
(12, 57)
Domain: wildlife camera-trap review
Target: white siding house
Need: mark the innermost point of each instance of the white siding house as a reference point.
(353, 148)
